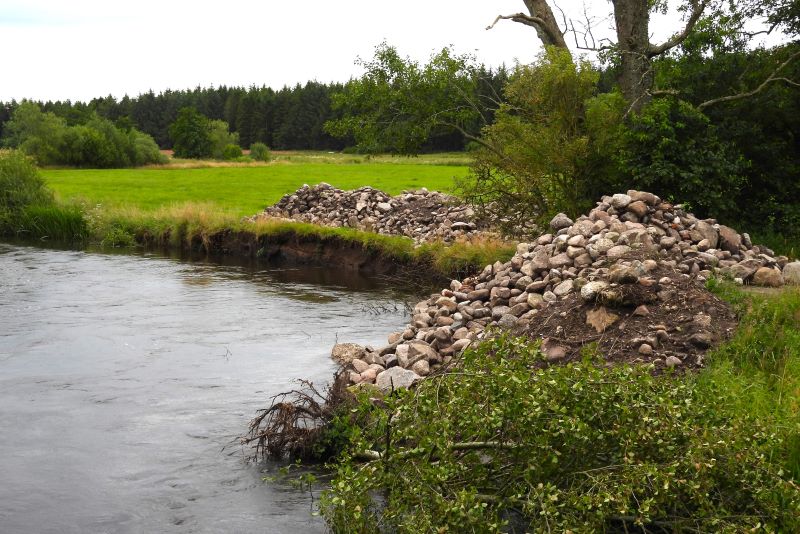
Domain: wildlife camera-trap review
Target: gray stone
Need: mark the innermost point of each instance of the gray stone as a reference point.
(618, 251)
(422, 368)
(396, 377)
(791, 273)
(622, 274)
(560, 221)
(620, 201)
(563, 289)
(673, 361)
(507, 321)
(703, 230)
(419, 350)
(590, 290)
(560, 260)
(701, 340)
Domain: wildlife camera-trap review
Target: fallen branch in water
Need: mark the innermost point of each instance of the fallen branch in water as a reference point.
(292, 424)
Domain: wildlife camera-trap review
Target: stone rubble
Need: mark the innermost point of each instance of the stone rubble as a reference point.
(621, 244)
(421, 215)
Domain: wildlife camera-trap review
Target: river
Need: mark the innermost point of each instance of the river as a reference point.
(124, 380)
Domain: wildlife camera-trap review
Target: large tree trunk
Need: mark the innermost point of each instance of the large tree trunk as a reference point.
(632, 19)
(547, 30)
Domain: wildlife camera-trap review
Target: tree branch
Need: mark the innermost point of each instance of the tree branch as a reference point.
(522, 18)
(747, 94)
(369, 455)
(697, 10)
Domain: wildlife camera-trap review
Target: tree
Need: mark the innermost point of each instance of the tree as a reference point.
(633, 52)
(398, 103)
(191, 135)
(537, 158)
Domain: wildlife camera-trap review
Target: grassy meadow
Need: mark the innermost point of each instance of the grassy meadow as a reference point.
(247, 188)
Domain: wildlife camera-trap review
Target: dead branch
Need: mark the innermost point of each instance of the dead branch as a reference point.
(747, 94)
(541, 18)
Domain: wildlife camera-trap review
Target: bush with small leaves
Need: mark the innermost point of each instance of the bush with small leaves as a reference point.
(260, 152)
(21, 186)
(581, 447)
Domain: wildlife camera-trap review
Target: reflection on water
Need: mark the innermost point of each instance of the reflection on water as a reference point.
(123, 377)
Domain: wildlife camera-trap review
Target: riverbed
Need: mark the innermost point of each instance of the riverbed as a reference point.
(125, 380)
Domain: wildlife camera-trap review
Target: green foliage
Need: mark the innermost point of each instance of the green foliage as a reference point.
(398, 103)
(221, 138)
(21, 187)
(673, 150)
(35, 133)
(539, 156)
(191, 135)
(96, 142)
(231, 152)
(580, 447)
(260, 152)
(66, 224)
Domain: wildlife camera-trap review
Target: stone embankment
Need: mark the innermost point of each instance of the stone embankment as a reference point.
(421, 215)
(630, 272)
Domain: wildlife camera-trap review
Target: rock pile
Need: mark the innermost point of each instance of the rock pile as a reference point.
(635, 263)
(421, 215)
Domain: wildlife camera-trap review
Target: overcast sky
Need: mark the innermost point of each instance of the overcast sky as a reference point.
(52, 49)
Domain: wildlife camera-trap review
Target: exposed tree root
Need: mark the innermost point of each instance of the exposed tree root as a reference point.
(295, 420)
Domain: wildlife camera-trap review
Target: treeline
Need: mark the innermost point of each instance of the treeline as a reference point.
(291, 118)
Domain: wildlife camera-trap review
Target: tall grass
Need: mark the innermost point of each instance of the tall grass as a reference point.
(51, 223)
(758, 371)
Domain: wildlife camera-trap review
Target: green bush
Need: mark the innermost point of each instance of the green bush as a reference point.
(21, 186)
(98, 143)
(231, 152)
(221, 138)
(580, 447)
(260, 152)
(673, 150)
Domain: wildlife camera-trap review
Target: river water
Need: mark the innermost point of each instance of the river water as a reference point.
(124, 379)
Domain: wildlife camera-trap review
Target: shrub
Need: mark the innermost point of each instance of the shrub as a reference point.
(98, 143)
(534, 160)
(21, 186)
(221, 138)
(580, 447)
(260, 152)
(231, 152)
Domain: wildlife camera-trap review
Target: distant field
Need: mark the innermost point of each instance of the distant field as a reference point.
(244, 190)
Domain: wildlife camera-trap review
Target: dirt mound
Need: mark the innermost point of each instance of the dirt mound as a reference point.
(631, 250)
(663, 318)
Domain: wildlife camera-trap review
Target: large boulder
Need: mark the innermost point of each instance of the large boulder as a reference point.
(768, 277)
(791, 273)
(396, 377)
(345, 353)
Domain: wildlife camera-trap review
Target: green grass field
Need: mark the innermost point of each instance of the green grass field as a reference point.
(241, 190)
